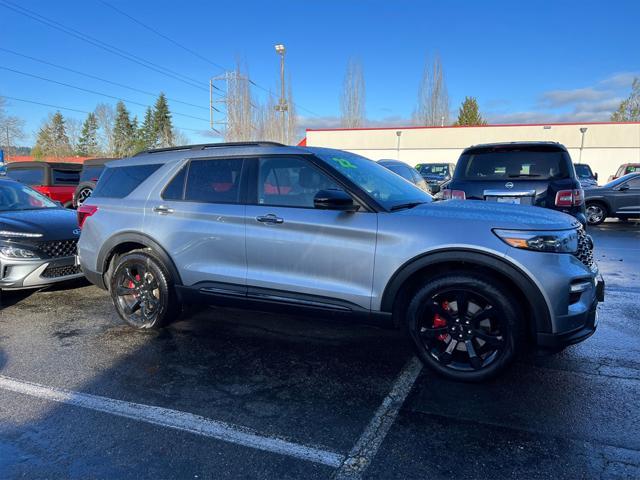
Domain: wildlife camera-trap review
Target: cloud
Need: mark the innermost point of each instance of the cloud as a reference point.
(560, 98)
(620, 80)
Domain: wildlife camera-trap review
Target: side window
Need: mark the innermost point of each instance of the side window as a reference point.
(214, 181)
(118, 182)
(403, 171)
(65, 177)
(634, 184)
(290, 182)
(28, 176)
(175, 189)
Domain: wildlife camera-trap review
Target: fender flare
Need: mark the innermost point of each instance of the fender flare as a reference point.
(539, 306)
(135, 237)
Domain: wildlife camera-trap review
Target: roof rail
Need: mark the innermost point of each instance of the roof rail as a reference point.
(205, 146)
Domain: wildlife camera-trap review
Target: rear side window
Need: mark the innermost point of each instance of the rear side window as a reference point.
(538, 164)
(175, 189)
(213, 181)
(65, 177)
(118, 182)
(28, 176)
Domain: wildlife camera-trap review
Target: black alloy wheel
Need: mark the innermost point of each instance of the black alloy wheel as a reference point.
(83, 194)
(142, 291)
(464, 327)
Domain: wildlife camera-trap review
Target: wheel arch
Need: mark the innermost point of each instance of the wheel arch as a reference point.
(410, 275)
(128, 241)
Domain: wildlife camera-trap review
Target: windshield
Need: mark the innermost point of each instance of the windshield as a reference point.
(536, 163)
(433, 169)
(387, 188)
(15, 196)
(583, 171)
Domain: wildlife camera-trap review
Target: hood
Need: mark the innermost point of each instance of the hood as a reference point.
(52, 223)
(495, 215)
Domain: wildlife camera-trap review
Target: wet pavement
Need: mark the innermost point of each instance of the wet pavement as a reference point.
(313, 383)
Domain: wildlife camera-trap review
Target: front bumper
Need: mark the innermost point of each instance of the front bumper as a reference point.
(18, 274)
(587, 323)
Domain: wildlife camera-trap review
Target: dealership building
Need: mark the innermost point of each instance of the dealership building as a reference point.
(603, 146)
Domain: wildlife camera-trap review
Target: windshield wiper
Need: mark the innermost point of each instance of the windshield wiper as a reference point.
(516, 175)
(402, 206)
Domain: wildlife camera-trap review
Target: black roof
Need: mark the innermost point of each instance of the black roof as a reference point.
(515, 145)
(57, 165)
(98, 161)
(205, 146)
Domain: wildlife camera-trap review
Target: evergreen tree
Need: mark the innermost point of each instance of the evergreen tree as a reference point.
(629, 109)
(88, 142)
(469, 113)
(52, 140)
(124, 135)
(162, 127)
(146, 135)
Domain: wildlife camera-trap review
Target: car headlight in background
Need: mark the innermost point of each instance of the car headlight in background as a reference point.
(9, 234)
(556, 241)
(17, 252)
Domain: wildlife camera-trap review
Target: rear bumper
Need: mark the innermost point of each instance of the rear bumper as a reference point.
(587, 320)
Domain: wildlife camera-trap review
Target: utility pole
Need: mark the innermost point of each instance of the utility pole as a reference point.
(282, 106)
(583, 130)
(398, 133)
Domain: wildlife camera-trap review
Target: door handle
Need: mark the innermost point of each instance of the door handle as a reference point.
(163, 210)
(270, 218)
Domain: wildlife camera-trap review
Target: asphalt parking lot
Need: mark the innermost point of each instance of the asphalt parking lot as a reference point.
(228, 394)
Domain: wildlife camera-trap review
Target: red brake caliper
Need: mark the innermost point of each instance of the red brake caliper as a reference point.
(438, 322)
(131, 285)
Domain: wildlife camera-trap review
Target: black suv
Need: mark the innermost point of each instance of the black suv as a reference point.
(525, 173)
(91, 171)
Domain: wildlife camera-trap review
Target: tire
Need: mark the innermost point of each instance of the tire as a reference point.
(596, 213)
(143, 291)
(84, 191)
(490, 326)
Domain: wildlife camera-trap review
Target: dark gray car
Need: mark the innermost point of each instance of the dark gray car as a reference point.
(407, 172)
(619, 198)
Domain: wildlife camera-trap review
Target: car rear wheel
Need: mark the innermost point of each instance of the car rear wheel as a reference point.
(464, 326)
(83, 194)
(142, 291)
(596, 213)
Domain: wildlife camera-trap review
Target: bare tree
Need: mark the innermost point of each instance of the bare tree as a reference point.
(73, 127)
(240, 107)
(268, 121)
(353, 96)
(11, 128)
(105, 115)
(292, 118)
(180, 138)
(433, 98)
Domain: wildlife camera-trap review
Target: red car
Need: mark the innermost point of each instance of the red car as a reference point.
(624, 169)
(58, 181)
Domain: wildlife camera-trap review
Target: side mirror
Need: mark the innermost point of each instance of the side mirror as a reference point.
(334, 200)
(624, 188)
(595, 176)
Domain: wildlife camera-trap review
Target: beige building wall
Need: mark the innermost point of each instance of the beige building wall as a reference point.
(606, 145)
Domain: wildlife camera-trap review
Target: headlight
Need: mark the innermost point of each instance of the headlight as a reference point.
(16, 252)
(7, 233)
(561, 241)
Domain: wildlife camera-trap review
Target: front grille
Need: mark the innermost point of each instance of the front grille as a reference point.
(64, 271)
(585, 249)
(59, 248)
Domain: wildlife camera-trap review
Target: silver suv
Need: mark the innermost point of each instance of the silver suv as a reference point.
(263, 225)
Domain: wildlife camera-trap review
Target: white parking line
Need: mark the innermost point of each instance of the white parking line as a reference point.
(365, 449)
(175, 419)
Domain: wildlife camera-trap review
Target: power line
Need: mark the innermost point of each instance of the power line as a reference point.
(94, 92)
(196, 54)
(58, 107)
(88, 75)
(103, 45)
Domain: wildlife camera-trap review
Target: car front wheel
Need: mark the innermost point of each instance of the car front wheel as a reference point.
(596, 213)
(142, 291)
(464, 326)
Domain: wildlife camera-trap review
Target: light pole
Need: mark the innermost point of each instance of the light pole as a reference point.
(398, 133)
(282, 106)
(583, 130)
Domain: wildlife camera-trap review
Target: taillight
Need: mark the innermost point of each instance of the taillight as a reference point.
(84, 212)
(570, 198)
(454, 195)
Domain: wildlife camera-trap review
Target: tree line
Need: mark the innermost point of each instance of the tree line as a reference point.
(107, 132)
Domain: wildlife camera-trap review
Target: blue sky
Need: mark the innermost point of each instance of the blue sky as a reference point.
(533, 61)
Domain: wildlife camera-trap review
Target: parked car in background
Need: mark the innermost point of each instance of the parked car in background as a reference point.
(619, 198)
(91, 171)
(624, 169)
(274, 226)
(3, 165)
(524, 173)
(38, 239)
(436, 174)
(585, 175)
(58, 181)
(407, 172)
